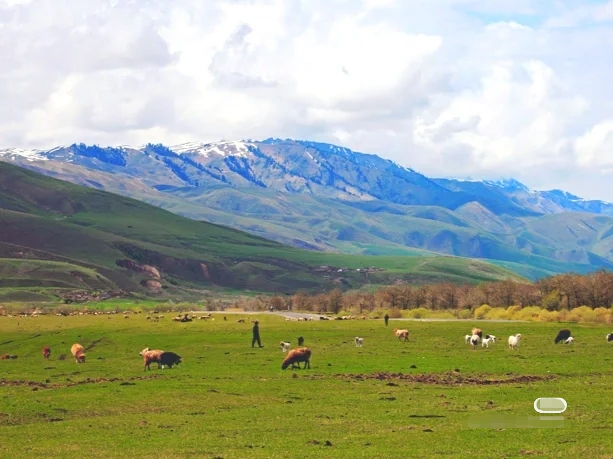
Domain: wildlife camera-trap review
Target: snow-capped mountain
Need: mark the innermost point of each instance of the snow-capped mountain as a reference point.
(326, 197)
(292, 166)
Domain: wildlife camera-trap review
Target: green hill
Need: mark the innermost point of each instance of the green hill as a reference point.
(64, 236)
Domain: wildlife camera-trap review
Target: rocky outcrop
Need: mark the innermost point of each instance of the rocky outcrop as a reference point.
(133, 266)
(151, 284)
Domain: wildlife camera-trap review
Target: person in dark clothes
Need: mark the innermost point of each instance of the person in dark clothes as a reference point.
(387, 319)
(256, 335)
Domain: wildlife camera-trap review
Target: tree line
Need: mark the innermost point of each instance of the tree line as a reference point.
(559, 292)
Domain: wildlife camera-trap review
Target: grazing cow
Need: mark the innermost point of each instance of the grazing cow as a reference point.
(359, 342)
(300, 341)
(147, 350)
(514, 341)
(403, 335)
(562, 336)
(46, 352)
(285, 345)
(169, 359)
(151, 356)
(7, 356)
(77, 352)
(295, 356)
(162, 358)
(477, 331)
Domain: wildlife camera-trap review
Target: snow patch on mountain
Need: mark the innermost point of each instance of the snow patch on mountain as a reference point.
(229, 148)
(28, 154)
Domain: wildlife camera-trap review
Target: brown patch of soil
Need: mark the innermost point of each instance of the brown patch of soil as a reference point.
(449, 379)
(42, 385)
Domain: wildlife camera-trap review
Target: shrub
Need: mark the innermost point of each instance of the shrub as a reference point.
(498, 314)
(395, 314)
(582, 314)
(527, 313)
(481, 311)
(548, 316)
(512, 310)
(442, 315)
(603, 315)
(465, 314)
(419, 313)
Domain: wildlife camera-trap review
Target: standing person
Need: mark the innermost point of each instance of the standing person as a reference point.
(256, 334)
(387, 319)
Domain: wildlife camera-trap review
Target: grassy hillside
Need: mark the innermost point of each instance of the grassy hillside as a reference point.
(93, 239)
(540, 245)
(534, 245)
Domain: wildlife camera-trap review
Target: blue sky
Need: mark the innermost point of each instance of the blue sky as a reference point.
(486, 89)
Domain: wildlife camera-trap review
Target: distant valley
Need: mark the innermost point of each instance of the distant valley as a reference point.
(328, 198)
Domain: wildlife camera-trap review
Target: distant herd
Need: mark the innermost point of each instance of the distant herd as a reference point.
(302, 354)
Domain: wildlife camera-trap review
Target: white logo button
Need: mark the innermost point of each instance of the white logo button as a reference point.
(550, 405)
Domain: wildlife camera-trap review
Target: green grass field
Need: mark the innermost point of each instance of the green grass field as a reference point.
(227, 400)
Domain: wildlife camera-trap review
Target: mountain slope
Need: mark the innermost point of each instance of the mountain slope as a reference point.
(328, 198)
(56, 234)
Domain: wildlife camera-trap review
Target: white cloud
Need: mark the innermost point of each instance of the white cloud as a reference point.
(481, 88)
(595, 147)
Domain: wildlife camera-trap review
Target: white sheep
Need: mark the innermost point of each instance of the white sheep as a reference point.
(514, 341)
(467, 338)
(569, 340)
(359, 342)
(609, 337)
(487, 340)
(285, 345)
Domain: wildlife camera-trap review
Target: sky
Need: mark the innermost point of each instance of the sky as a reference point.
(485, 89)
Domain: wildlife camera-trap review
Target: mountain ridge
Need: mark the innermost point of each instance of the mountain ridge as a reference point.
(326, 197)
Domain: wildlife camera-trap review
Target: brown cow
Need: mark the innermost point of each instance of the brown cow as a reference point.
(77, 352)
(46, 352)
(295, 356)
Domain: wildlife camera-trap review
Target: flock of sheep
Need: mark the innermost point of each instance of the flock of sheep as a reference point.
(563, 336)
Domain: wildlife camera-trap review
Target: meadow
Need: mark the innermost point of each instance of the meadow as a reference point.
(388, 399)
